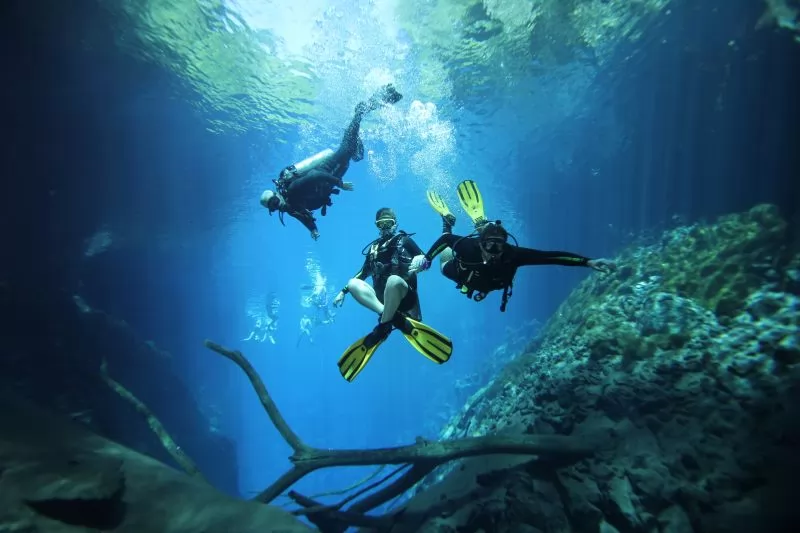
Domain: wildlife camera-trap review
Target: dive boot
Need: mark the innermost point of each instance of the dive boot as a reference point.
(385, 95)
(356, 357)
(439, 205)
(389, 94)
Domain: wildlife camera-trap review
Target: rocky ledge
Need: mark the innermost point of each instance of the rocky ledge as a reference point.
(687, 357)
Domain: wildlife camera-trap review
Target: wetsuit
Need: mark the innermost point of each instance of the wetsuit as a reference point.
(392, 256)
(474, 277)
(311, 190)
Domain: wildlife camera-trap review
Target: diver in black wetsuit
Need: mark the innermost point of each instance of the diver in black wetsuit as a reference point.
(308, 185)
(393, 296)
(484, 261)
(387, 260)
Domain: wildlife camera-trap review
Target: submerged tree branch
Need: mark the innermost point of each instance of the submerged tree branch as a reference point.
(274, 414)
(401, 485)
(358, 483)
(336, 521)
(345, 501)
(424, 456)
(155, 424)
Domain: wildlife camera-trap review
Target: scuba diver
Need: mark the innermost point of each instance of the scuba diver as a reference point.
(393, 296)
(273, 305)
(308, 185)
(322, 315)
(325, 315)
(256, 334)
(484, 261)
(306, 323)
(266, 324)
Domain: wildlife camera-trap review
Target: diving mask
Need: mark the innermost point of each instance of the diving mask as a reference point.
(492, 241)
(491, 250)
(273, 204)
(492, 246)
(386, 224)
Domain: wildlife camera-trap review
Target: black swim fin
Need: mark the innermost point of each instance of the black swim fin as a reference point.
(390, 95)
(386, 95)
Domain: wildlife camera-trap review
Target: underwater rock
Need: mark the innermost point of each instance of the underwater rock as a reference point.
(700, 396)
(58, 476)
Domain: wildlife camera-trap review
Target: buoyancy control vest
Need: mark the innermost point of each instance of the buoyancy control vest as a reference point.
(388, 257)
(476, 281)
(468, 281)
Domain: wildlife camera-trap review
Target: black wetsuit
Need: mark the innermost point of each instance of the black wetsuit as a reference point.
(474, 277)
(311, 190)
(392, 256)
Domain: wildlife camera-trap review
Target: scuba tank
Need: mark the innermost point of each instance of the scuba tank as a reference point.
(300, 168)
(311, 162)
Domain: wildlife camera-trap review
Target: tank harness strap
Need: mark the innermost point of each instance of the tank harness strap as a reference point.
(478, 296)
(280, 185)
(398, 250)
(508, 291)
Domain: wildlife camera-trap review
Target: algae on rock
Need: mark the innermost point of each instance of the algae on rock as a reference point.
(690, 355)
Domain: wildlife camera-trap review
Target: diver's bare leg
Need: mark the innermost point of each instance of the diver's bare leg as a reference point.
(396, 290)
(365, 295)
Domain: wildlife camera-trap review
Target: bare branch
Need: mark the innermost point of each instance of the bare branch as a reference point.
(357, 484)
(424, 456)
(404, 483)
(339, 505)
(155, 424)
(275, 416)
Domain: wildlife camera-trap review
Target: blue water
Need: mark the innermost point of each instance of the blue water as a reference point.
(400, 395)
(193, 246)
(390, 402)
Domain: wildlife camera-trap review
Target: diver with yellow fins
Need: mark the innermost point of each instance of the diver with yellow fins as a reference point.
(393, 296)
(308, 185)
(484, 260)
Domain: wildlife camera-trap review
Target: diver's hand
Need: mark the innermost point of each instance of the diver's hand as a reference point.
(314, 234)
(346, 185)
(339, 300)
(602, 265)
(418, 264)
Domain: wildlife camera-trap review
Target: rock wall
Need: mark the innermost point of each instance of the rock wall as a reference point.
(687, 357)
(53, 344)
(58, 477)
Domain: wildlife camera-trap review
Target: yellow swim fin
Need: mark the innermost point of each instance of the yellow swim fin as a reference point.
(471, 201)
(438, 204)
(356, 357)
(424, 339)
